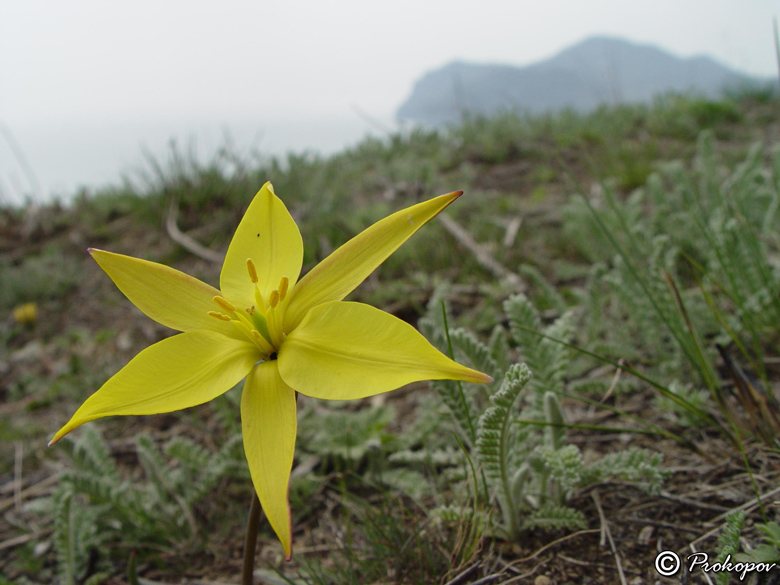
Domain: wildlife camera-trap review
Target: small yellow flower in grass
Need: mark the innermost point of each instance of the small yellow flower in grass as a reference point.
(283, 334)
(26, 314)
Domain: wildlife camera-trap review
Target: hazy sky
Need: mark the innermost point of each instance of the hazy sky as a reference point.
(66, 65)
(98, 58)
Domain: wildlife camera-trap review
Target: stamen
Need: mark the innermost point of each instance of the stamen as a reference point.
(244, 320)
(260, 323)
(275, 324)
(254, 336)
(224, 304)
(252, 270)
(259, 301)
(219, 316)
(283, 284)
(273, 299)
(262, 342)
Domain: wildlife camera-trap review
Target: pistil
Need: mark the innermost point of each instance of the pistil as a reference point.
(261, 322)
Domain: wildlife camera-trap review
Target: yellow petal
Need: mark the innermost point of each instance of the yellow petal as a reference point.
(341, 272)
(175, 373)
(268, 235)
(168, 296)
(269, 423)
(343, 351)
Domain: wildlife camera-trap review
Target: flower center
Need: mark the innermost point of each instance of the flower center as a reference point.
(261, 323)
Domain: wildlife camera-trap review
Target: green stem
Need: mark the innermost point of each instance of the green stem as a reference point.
(250, 543)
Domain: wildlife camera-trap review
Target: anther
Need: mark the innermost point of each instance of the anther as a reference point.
(219, 316)
(252, 270)
(273, 298)
(283, 284)
(224, 304)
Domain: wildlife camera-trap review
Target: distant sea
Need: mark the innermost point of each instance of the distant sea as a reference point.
(42, 162)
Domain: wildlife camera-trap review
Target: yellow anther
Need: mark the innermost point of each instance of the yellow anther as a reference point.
(219, 316)
(273, 298)
(283, 284)
(223, 304)
(251, 269)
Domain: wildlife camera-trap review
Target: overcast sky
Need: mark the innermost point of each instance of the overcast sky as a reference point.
(65, 63)
(101, 58)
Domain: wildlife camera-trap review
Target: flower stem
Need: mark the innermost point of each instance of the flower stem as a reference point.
(250, 543)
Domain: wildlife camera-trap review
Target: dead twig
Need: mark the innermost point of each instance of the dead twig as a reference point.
(606, 532)
(511, 231)
(462, 576)
(550, 545)
(706, 575)
(18, 459)
(522, 576)
(186, 241)
(747, 506)
(482, 256)
(33, 489)
(16, 541)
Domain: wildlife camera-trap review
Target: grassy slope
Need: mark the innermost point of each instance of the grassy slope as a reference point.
(509, 168)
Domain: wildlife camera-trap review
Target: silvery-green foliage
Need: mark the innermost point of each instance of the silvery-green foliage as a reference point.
(710, 230)
(77, 536)
(640, 467)
(766, 552)
(547, 359)
(499, 347)
(494, 443)
(461, 404)
(599, 387)
(564, 467)
(625, 220)
(95, 504)
(345, 437)
(451, 514)
(477, 353)
(728, 543)
(520, 438)
(552, 517)
(440, 457)
(695, 395)
(546, 294)
(408, 481)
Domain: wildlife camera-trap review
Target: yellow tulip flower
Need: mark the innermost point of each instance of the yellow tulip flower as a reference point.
(283, 334)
